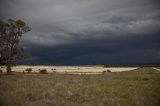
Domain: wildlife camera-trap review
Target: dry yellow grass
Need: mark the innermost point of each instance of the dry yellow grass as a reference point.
(70, 69)
(140, 87)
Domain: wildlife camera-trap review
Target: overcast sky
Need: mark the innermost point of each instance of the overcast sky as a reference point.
(88, 31)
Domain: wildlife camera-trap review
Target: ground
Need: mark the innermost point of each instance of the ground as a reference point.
(94, 69)
(140, 87)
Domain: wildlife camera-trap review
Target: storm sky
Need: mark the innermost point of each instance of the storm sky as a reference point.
(88, 31)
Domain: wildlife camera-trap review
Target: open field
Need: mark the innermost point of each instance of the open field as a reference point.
(157, 68)
(70, 69)
(140, 87)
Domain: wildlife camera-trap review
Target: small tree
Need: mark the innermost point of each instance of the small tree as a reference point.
(10, 33)
(29, 70)
(43, 71)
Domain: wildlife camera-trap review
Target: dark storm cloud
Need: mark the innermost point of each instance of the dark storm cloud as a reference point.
(113, 50)
(89, 31)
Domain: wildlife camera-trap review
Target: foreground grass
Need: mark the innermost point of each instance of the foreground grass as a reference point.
(140, 87)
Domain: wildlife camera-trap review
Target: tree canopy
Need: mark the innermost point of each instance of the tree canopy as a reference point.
(10, 50)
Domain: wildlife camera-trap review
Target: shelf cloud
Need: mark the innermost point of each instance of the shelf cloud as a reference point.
(88, 31)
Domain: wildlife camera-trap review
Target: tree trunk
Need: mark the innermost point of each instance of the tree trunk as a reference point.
(9, 69)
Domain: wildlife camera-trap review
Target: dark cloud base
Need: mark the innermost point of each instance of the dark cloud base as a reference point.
(118, 50)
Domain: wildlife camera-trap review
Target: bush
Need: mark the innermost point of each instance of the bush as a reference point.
(43, 71)
(1, 71)
(29, 70)
(103, 72)
(53, 69)
(109, 71)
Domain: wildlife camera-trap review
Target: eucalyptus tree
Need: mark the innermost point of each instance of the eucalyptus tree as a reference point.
(10, 50)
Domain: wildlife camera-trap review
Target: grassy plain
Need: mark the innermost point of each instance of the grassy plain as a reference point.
(69, 69)
(140, 87)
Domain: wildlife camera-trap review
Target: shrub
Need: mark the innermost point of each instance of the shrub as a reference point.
(43, 71)
(109, 71)
(103, 72)
(29, 70)
(1, 71)
(53, 69)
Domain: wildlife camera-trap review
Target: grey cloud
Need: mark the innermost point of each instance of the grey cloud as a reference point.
(48, 39)
(79, 30)
(104, 30)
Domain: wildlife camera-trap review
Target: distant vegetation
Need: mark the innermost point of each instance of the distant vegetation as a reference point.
(105, 65)
(29, 70)
(1, 71)
(43, 71)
